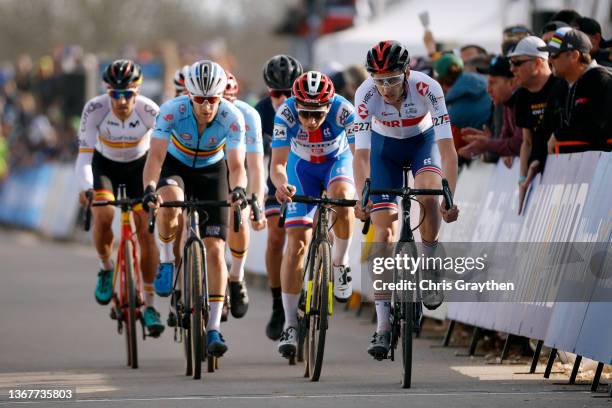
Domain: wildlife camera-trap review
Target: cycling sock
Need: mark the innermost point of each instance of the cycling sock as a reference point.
(236, 273)
(107, 264)
(382, 314)
(341, 246)
(290, 304)
(149, 294)
(166, 248)
(216, 307)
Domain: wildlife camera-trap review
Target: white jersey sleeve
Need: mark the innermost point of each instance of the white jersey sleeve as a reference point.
(434, 100)
(93, 113)
(362, 126)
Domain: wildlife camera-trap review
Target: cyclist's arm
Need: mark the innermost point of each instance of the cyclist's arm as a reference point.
(361, 168)
(362, 134)
(155, 159)
(255, 153)
(278, 168)
(88, 135)
(255, 168)
(235, 150)
(284, 123)
(450, 163)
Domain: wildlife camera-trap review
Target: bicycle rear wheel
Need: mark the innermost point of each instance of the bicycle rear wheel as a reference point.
(319, 308)
(183, 315)
(404, 301)
(196, 327)
(130, 310)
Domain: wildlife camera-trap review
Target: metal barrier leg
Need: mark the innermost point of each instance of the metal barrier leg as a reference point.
(506, 349)
(359, 309)
(449, 333)
(551, 361)
(572, 379)
(474, 342)
(610, 390)
(536, 357)
(595, 383)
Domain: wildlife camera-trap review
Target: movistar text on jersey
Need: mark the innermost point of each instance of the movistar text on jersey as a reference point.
(411, 264)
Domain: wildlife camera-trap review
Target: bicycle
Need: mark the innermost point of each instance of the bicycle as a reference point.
(318, 299)
(191, 305)
(126, 305)
(406, 309)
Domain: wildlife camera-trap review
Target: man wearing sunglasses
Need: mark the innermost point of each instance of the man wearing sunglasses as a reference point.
(279, 73)
(312, 149)
(401, 119)
(114, 138)
(197, 151)
(238, 242)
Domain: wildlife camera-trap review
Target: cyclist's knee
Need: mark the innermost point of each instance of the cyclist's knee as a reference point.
(215, 248)
(296, 242)
(103, 217)
(429, 201)
(276, 238)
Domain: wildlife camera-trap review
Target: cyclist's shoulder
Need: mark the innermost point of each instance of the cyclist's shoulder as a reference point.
(146, 108)
(98, 104)
(228, 113)
(423, 83)
(249, 112)
(366, 92)
(178, 107)
(287, 113)
(341, 110)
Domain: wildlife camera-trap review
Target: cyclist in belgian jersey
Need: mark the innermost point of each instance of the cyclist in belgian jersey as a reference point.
(114, 139)
(197, 149)
(401, 120)
(238, 242)
(312, 150)
(279, 73)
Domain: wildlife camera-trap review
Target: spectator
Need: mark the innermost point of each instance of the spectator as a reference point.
(506, 138)
(582, 111)
(532, 71)
(466, 95)
(512, 35)
(568, 16)
(473, 57)
(549, 29)
(592, 28)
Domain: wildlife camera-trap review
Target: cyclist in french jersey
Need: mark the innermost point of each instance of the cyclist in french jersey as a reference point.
(179, 81)
(197, 148)
(401, 120)
(238, 242)
(279, 73)
(114, 139)
(312, 150)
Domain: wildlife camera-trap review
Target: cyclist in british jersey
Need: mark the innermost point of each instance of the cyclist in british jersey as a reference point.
(197, 149)
(279, 73)
(238, 242)
(114, 139)
(401, 119)
(179, 81)
(312, 149)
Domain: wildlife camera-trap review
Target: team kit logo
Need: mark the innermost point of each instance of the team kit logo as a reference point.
(422, 88)
(362, 111)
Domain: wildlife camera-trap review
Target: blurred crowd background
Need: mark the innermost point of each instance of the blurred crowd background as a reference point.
(54, 50)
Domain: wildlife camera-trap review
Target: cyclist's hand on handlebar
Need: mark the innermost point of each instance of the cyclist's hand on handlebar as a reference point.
(151, 199)
(258, 225)
(237, 197)
(284, 193)
(449, 215)
(363, 213)
(83, 199)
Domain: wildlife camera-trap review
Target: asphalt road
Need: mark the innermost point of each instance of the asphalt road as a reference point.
(53, 333)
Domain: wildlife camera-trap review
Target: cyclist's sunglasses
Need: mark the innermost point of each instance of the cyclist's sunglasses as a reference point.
(277, 93)
(389, 81)
(210, 99)
(116, 94)
(315, 114)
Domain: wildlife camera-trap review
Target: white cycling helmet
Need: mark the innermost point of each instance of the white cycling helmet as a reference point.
(179, 78)
(206, 78)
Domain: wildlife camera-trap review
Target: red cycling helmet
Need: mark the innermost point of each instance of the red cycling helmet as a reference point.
(231, 89)
(313, 88)
(387, 56)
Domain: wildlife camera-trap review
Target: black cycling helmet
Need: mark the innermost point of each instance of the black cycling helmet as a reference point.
(280, 71)
(120, 74)
(387, 56)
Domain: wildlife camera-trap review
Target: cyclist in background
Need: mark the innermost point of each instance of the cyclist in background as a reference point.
(279, 73)
(179, 81)
(238, 242)
(114, 138)
(312, 150)
(401, 119)
(197, 149)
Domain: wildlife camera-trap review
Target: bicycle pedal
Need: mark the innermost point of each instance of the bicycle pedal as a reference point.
(171, 321)
(113, 313)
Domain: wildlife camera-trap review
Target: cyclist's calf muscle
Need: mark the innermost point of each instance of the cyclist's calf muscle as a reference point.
(297, 245)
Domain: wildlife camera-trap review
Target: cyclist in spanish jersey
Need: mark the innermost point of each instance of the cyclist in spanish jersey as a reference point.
(312, 150)
(197, 150)
(279, 73)
(114, 138)
(179, 81)
(401, 119)
(238, 242)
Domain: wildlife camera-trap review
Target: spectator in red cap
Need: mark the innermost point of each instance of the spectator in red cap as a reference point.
(501, 86)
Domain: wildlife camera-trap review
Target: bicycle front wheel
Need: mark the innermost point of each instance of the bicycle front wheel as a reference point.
(194, 264)
(319, 308)
(405, 301)
(130, 310)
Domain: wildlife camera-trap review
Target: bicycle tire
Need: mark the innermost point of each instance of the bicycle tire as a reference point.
(405, 307)
(184, 314)
(130, 313)
(319, 319)
(196, 327)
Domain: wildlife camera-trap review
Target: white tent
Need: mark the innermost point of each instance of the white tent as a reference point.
(455, 22)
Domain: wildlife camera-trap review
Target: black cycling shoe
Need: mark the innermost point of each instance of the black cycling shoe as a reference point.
(274, 328)
(239, 299)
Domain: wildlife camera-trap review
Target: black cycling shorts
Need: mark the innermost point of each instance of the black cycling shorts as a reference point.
(206, 183)
(108, 174)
